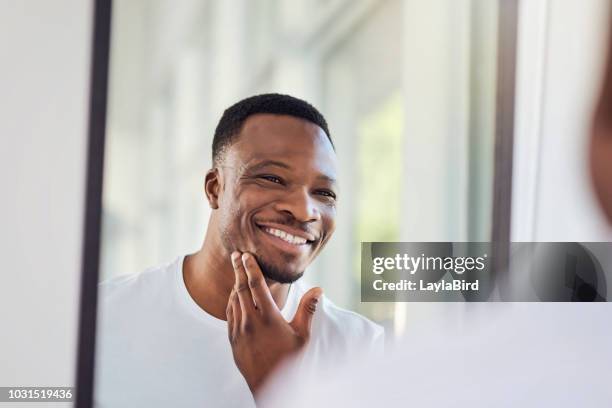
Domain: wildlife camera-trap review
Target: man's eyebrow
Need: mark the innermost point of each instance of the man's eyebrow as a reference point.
(326, 178)
(267, 163)
(283, 165)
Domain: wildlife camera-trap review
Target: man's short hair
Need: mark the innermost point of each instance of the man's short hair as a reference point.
(233, 118)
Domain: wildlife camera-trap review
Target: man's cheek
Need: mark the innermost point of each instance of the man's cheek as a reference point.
(328, 231)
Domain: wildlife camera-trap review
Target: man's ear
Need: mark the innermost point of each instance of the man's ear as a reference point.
(212, 187)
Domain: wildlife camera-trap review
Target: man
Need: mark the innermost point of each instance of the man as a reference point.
(210, 328)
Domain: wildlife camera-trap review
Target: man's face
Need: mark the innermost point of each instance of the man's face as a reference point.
(278, 199)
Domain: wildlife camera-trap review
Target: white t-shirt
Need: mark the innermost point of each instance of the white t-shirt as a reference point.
(156, 347)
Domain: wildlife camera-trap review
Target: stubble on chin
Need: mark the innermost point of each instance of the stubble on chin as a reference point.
(269, 270)
(276, 274)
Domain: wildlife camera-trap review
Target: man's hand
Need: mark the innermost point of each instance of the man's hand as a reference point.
(259, 335)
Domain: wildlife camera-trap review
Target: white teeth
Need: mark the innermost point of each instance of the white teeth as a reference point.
(285, 236)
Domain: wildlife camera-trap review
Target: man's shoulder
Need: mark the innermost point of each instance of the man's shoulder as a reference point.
(346, 322)
(143, 284)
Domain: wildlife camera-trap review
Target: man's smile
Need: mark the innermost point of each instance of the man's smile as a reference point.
(286, 238)
(292, 239)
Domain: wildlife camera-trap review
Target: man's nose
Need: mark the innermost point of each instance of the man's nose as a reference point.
(301, 205)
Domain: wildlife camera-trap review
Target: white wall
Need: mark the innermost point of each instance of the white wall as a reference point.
(561, 51)
(43, 132)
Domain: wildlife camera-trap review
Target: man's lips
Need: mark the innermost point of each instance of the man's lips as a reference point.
(286, 233)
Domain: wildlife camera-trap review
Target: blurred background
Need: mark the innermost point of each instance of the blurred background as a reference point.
(412, 93)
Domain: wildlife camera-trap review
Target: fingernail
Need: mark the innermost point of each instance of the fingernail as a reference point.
(245, 257)
(235, 256)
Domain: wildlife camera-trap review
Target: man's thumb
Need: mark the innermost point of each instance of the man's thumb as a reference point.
(305, 311)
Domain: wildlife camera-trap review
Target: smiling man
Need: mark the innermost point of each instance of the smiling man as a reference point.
(210, 328)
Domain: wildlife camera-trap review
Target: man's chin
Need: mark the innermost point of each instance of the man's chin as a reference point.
(280, 275)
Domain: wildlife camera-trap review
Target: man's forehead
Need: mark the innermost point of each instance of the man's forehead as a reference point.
(282, 138)
(305, 152)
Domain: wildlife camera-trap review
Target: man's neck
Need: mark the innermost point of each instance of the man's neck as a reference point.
(209, 278)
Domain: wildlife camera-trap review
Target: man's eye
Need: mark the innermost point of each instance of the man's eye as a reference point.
(272, 179)
(326, 193)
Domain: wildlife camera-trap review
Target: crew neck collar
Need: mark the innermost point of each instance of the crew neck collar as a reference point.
(288, 310)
